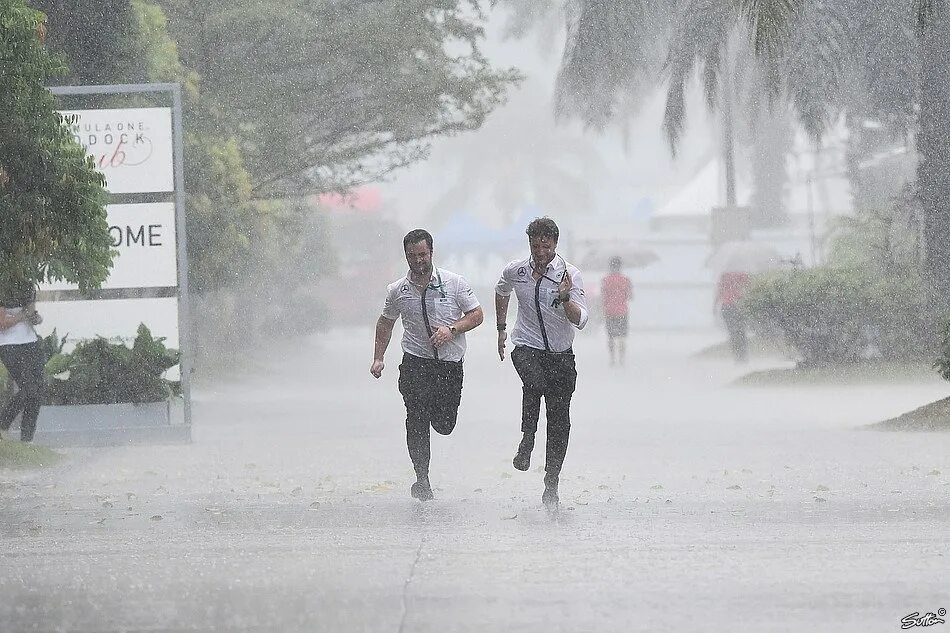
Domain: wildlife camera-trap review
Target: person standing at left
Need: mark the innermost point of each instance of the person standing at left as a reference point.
(22, 355)
(437, 308)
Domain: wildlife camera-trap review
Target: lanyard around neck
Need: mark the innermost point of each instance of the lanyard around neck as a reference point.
(439, 285)
(425, 312)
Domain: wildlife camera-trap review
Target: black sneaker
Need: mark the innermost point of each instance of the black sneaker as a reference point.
(422, 491)
(549, 498)
(522, 460)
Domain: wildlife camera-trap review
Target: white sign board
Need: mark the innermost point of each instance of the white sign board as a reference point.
(131, 147)
(144, 236)
(110, 318)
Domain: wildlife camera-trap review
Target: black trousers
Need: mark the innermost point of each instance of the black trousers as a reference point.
(735, 326)
(432, 391)
(553, 376)
(24, 363)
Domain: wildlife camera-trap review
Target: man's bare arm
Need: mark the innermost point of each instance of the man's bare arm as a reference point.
(501, 318)
(384, 333)
(471, 320)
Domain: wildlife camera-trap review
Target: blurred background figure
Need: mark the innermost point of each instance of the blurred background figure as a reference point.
(729, 291)
(736, 262)
(616, 292)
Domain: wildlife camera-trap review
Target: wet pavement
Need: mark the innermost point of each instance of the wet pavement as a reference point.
(686, 505)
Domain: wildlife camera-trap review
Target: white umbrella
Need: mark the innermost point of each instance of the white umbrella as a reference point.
(743, 256)
(631, 257)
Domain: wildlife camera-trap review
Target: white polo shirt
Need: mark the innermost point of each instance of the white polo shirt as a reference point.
(447, 297)
(540, 324)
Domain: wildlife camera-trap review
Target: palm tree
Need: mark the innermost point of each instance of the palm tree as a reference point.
(612, 57)
(908, 71)
(770, 59)
(618, 51)
(933, 147)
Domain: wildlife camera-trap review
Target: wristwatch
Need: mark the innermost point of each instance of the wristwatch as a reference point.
(453, 330)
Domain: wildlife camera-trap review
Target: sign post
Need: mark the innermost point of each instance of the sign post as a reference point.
(139, 150)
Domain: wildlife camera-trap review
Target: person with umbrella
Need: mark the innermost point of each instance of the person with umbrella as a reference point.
(736, 261)
(729, 291)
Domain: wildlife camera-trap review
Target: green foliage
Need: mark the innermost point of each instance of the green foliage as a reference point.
(329, 93)
(835, 315)
(52, 344)
(303, 97)
(97, 38)
(223, 222)
(885, 240)
(52, 202)
(56, 361)
(159, 52)
(22, 455)
(942, 364)
(102, 372)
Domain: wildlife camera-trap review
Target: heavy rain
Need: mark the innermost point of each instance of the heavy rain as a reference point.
(474, 315)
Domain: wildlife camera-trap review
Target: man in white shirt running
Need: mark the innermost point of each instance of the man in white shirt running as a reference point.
(437, 307)
(551, 306)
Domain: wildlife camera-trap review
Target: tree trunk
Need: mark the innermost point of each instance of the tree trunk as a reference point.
(728, 131)
(933, 146)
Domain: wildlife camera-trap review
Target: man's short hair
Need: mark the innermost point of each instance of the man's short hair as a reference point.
(542, 227)
(415, 236)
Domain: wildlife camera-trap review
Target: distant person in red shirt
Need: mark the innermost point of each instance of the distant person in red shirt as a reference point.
(615, 292)
(731, 288)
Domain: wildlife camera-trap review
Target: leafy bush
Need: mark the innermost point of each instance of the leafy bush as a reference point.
(942, 364)
(835, 315)
(101, 372)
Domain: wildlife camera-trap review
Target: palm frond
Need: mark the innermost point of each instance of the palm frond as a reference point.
(674, 115)
(712, 67)
(699, 37)
(611, 49)
(768, 21)
(821, 40)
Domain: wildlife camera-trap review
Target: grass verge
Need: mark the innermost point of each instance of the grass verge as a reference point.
(758, 348)
(930, 417)
(864, 373)
(18, 455)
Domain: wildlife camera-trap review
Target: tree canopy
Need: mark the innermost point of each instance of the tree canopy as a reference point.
(330, 93)
(301, 98)
(52, 202)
